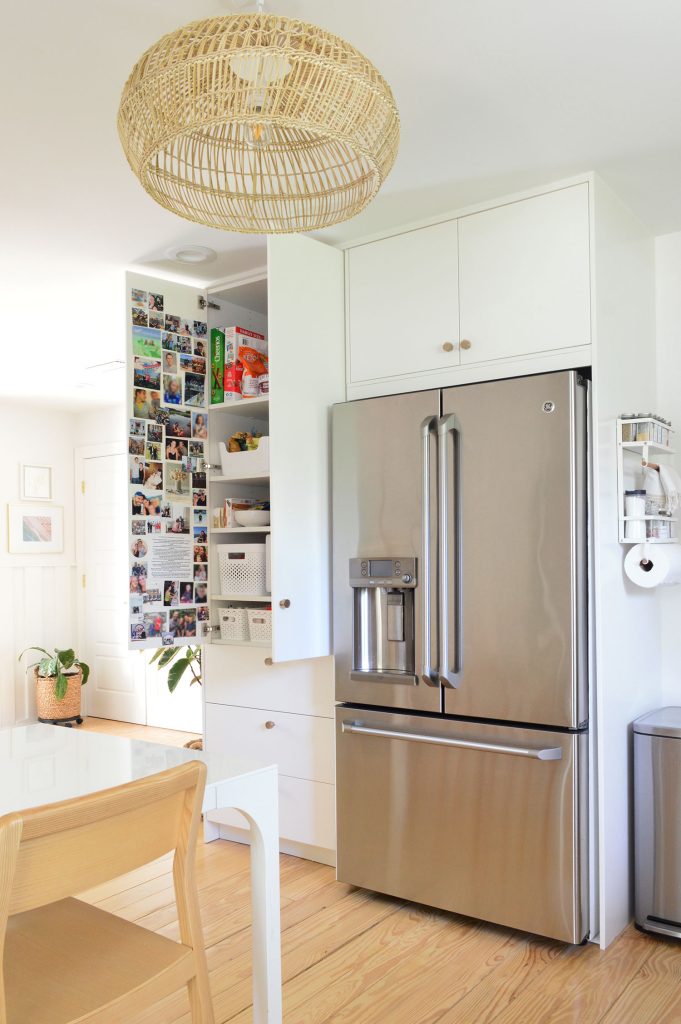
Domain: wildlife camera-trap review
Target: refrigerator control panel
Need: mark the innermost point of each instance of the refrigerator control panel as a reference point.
(382, 572)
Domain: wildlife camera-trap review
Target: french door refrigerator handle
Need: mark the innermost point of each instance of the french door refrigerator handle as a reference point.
(448, 672)
(429, 674)
(538, 754)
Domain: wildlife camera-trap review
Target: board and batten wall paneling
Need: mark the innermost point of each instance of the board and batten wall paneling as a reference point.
(37, 592)
(37, 606)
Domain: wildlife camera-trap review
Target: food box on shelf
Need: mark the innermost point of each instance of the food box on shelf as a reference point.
(253, 462)
(245, 363)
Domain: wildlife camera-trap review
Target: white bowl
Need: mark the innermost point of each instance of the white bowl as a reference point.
(252, 517)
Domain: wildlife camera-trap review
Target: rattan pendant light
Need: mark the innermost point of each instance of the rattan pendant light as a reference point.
(258, 123)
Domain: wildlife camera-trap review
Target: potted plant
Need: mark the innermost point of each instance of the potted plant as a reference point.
(190, 661)
(58, 681)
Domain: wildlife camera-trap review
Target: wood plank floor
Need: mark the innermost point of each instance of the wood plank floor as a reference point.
(352, 957)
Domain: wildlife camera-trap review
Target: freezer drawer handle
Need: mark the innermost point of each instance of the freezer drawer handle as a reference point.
(428, 430)
(450, 604)
(542, 754)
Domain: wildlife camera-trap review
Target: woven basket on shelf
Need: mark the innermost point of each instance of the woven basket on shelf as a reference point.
(47, 705)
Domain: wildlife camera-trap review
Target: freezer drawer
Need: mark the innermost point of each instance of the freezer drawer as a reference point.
(484, 820)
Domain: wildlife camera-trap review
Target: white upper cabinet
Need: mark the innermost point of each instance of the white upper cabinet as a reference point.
(403, 304)
(524, 277)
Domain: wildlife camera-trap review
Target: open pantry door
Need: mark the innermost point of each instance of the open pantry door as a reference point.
(306, 303)
(167, 439)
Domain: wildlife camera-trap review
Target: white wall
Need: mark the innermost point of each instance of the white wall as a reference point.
(37, 592)
(668, 311)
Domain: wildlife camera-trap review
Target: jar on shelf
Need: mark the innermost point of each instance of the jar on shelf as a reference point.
(635, 510)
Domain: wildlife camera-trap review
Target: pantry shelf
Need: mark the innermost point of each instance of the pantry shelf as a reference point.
(240, 529)
(241, 643)
(246, 598)
(263, 478)
(243, 406)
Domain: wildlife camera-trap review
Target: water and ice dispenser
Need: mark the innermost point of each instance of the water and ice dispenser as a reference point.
(383, 616)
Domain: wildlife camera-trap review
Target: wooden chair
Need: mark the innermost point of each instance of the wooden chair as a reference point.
(64, 960)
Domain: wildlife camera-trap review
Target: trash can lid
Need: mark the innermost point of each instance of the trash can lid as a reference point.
(663, 722)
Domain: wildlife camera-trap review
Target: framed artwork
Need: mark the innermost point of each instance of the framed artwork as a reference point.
(35, 529)
(36, 483)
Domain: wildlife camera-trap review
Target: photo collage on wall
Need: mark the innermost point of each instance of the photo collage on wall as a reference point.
(168, 432)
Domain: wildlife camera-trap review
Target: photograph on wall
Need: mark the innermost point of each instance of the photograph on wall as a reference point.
(199, 428)
(146, 342)
(168, 521)
(35, 529)
(194, 389)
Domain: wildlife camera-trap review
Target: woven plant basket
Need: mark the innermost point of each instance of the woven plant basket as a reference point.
(48, 706)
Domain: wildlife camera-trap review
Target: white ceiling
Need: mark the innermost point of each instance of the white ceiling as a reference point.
(493, 96)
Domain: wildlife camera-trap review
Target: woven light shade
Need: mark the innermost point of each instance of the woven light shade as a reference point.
(258, 123)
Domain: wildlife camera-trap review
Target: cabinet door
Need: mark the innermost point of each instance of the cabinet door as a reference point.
(524, 283)
(402, 304)
(306, 350)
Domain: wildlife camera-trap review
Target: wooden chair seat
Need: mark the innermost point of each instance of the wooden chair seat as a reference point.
(63, 961)
(66, 961)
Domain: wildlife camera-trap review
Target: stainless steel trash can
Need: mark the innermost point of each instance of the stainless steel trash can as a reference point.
(657, 821)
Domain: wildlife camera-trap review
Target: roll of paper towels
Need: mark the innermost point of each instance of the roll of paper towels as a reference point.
(654, 565)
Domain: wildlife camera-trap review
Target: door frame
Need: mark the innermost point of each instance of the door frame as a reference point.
(88, 451)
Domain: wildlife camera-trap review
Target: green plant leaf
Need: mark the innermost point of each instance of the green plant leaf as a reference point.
(176, 673)
(48, 667)
(60, 686)
(157, 654)
(169, 654)
(86, 672)
(66, 657)
(40, 649)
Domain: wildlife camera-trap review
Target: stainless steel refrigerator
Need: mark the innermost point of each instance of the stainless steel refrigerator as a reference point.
(460, 638)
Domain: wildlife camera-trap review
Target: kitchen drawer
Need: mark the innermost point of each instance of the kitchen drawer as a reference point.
(240, 677)
(307, 813)
(300, 745)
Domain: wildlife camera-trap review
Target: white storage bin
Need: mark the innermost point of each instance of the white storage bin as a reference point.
(242, 568)
(234, 624)
(242, 464)
(260, 624)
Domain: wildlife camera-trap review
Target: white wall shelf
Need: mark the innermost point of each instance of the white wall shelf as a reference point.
(260, 478)
(246, 598)
(634, 456)
(240, 643)
(243, 407)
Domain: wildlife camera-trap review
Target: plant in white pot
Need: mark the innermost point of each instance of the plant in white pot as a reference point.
(58, 681)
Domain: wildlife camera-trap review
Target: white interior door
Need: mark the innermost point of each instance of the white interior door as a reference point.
(116, 688)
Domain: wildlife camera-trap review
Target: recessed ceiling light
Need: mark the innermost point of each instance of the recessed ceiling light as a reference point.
(191, 254)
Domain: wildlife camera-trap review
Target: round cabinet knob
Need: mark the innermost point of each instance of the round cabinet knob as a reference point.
(466, 344)
(285, 603)
(268, 661)
(269, 725)
(447, 347)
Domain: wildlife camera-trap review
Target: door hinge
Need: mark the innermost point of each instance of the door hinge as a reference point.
(82, 487)
(205, 303)
(82, 581)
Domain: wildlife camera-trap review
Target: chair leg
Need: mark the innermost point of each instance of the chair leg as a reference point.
(200, 999)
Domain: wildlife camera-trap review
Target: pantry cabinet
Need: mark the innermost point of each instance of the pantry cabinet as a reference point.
(524, 277)
(476, 296)
(403, 306)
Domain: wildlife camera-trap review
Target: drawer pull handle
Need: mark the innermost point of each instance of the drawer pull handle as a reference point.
(540, 754)
(465, 344)
(269, 725)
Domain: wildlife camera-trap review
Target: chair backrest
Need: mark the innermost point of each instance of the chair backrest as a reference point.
(50, 852)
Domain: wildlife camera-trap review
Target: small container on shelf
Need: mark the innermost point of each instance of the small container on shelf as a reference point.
(634, 511)
(234, 624)
(242, 568)
(661, 527)
(260, 624)
(255, 462)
